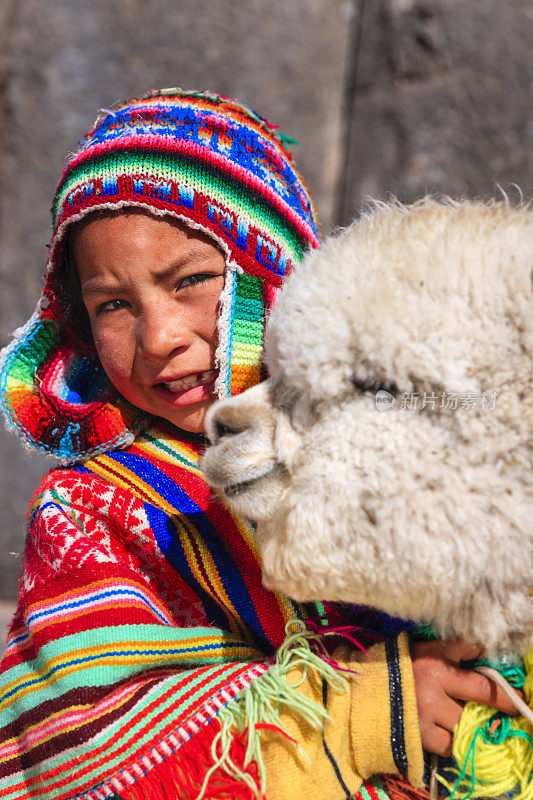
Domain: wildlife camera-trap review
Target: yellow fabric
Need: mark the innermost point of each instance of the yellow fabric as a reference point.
(357, 733)
(371, 720)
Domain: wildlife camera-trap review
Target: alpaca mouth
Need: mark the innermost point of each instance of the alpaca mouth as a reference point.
(238, 488)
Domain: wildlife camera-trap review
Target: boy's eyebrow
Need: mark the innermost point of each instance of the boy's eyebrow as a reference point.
(90, 289)
(176, 265)
(94, 288)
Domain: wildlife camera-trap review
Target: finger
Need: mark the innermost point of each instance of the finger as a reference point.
(468, 685)
(456, 650)
(447, 713)
(437, 740)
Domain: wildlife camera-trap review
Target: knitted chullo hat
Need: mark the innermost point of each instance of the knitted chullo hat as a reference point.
(207, 161)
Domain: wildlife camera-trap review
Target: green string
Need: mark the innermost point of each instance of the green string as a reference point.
(262, 700)
(470, 754)
(496, 736)
(287, 139)
(424, 632)
(514, 673)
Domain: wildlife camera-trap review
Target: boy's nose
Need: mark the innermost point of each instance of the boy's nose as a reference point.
(160, 334)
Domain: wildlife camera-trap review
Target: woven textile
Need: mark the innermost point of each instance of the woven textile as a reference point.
(141, 615)
(139, 638)
(207, 161)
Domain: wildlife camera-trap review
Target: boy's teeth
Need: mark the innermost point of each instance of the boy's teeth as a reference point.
(190, 381)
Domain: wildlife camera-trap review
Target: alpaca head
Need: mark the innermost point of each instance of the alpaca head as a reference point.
(255, 443)
(388, 457)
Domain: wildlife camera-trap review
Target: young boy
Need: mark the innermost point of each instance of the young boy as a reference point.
(145, 658)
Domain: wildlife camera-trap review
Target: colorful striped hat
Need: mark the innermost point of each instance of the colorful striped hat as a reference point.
(206, 160)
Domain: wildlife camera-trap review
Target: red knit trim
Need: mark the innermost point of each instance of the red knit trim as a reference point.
(181, 774)
(199, 215)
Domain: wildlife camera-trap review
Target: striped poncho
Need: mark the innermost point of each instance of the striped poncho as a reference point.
(141, 621)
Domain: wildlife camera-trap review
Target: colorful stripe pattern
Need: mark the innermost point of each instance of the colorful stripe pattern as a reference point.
(248, 315)
(212, 551)
(142, 614)
(205, 160)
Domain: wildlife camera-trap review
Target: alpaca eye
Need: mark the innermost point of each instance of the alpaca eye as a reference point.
(223, 430)
(373, 385)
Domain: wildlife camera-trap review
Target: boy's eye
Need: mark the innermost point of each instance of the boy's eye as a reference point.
(111, 305)
(198, 277)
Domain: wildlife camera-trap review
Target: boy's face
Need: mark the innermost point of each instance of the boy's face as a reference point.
(151, 287)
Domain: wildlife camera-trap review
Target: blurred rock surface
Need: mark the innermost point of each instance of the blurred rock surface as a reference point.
(440, 101)
(7, 609)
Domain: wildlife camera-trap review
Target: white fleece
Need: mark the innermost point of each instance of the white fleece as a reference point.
(426, 513)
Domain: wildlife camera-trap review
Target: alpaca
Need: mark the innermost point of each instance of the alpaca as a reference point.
(387, 460)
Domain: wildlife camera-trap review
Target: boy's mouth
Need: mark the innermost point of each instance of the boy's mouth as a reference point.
(189, 381)
(194, 388)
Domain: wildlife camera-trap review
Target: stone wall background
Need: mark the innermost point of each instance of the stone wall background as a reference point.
(401, 96)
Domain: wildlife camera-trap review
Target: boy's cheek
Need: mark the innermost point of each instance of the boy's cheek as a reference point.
(114, 361)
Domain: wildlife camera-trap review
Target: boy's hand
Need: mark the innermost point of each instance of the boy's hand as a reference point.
(442, 687)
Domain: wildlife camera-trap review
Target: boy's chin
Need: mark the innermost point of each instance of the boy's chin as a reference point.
(188, 418)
